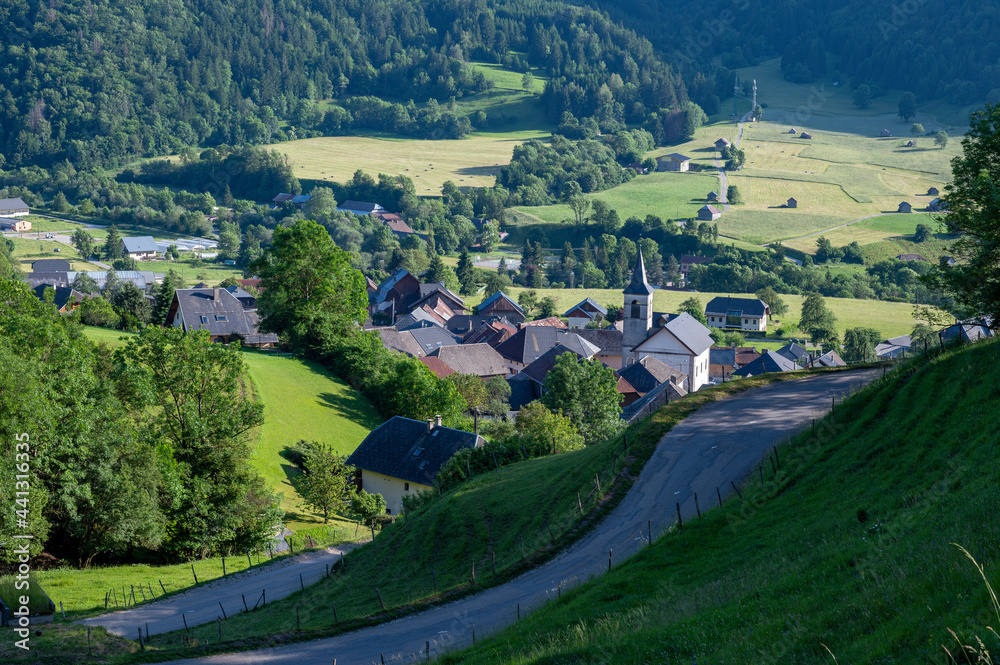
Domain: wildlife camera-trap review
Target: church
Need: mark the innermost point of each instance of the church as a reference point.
(679, 340)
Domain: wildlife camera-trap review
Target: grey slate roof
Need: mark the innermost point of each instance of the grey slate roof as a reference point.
(400, 341)
(967, 332)
(221, 316)
(63, 294)
(51, 265)
(479, 359)
(431, 338)
(531, 342)
(748, 306)
(403, 448)
(609, 341)
(726, 356)
(139, 244)
(679, 157)
(830, 359)
(691, 333)
(11, 205)
(638, 284)
(793, 352)
(769, 361)
(360, 207)
(539, 369)
(587, 301)
(649, 372)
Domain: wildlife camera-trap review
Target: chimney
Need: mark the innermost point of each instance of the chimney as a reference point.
(430, 424)
(437, 420)
(215, 294)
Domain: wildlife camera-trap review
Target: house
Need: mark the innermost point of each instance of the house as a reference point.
(673, 162)
(551, 322)
(464, 325)
(794, 352)
(738, 314)
(439, 300)
(15, 225)
(893, 348)
(502, 305)
(361, 208)
(431, 338)
(628, 392)
(65, 298)
(746, 355)
(805, 135)
(905, 207)
(769, 362)
(248, 284)
(400, 340)
(712, 197)
(220, 313)
(688, 260)
(420, 318)
(14, 208)
(722, 143)
(791, 203)
(609, 344)
(139, 248)
(886, 133)
(648, 373)
(722, 363)
(933, 191)
(478, 359)
(912, 257)
(437, 366)
(395, 223)
(143, 279)
(532, 342)
(494, 333)
(282, 198)
(299, 200)
(584, 312)
(51, 265)
(971, 331)
(402, 457)
(793, 131)
(828, 359)
(394, 295)
(709, 213)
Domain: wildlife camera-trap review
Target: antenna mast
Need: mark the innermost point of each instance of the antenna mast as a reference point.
(736, 92)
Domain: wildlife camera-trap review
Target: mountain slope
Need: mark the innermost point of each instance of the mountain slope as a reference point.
(849, 548)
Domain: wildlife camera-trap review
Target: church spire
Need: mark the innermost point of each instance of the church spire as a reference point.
(639, 285)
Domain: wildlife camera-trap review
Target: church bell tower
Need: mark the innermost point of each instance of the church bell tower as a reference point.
(638, 309)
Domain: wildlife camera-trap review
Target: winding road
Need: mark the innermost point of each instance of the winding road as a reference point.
(723, 178)
(721, 442)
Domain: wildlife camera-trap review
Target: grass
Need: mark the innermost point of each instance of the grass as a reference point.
(846, 548)
(12, 591)
(28, 251)
(889, 318)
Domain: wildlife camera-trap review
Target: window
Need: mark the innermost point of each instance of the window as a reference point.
(220, 317)
(416, 453)
(388, 511)
(733, 317)
(423, 465)
(204, 319)
(635, 310)
(406, 487)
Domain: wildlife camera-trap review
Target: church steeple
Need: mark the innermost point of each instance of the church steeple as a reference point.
(639, 284)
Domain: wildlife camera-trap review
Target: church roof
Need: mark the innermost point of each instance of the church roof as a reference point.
(639, 285)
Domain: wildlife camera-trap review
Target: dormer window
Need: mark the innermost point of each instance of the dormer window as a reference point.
(416, 453)
(220, 317)
(423, 465)
(204, 319)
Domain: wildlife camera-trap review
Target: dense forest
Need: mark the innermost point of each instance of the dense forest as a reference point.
(935, 48)
(100, 83)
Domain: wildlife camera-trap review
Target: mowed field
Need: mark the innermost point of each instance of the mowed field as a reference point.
(889, 318)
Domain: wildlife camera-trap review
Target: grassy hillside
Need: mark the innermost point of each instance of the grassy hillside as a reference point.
(848, 548)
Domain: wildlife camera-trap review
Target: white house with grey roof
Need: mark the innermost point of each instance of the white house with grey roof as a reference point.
(402, 457)
(14, 208)
(677, 340)
(738, 314)
(139, 247)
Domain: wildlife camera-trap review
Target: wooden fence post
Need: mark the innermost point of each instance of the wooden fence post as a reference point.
(380, 601)
(184, 618)
(223, 611)
(223, 566)
(194, 573)
(649, 528)
(301, 583)
(245, 608)
(738, 493)
(335, 619)
(680, 522)
(597, 479)
(218, 621)
(473, 570)
(435, 578)
(142, 647)
(696, 504)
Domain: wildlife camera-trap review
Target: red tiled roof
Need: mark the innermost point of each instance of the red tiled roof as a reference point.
(552, 322)
(437, 366)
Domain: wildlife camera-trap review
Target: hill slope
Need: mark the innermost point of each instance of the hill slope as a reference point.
(849, 547)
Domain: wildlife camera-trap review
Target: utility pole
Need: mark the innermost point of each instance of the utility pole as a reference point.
(736, 92)
(753, 108)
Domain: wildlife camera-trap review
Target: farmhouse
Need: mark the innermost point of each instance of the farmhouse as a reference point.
(394, 294)
(673, 162)
(437, 366)
(688, 260)
(709, 213)
(395, 223)
(220, 313)
(722, 143)
(361, 208)
(584, 312)
(14, 208)
(402, 457)
(502, 305)
(969, 331)
(738, 313)
(493, 333)
(15, 225)
(139, 248)
(677, 340)
(791, 203)
(828, 359)
(905, 207)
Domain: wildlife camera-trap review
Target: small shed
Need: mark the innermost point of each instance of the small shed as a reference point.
(937, 205)
(805, 135)
(793, 131)
(673, 162)
(933, 191)
(792, 203)
(722, 143)
(712, 196)
(911, 144)
(886, 133)
(905, 207)
(709, 213)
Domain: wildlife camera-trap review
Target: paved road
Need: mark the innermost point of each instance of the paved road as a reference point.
(721, 442)
(202, 605)
(723, 178)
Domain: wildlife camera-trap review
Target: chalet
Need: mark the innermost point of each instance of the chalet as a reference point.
(933, 191)
(722, 143)
(905, 207)
(65, 298)
(609, 344)
(220, 313)
(791, 203)
(912, 257)
(51, 265)
(502, 305)
(688, 260)
(14, 208)
(768, 363)
(648, 373)
(709, 213)
(395, 223)
(477, 359)
(395, 294)
(440, 299)
(712, 197)
(584, 312)
(886, 133)
(139, 248)
(420, 317)
(738, 313)
(531, 342)
(673, 162)
(402, 457)
(361, 208)
(805, 135)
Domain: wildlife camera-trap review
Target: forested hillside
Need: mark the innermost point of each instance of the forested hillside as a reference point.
(100, 82)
